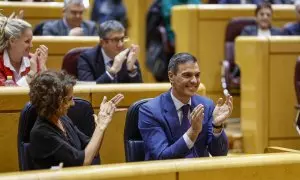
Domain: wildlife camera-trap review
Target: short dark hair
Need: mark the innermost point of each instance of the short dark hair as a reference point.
(110, 26)
(48, 91)
(263, 5)
(180, 58)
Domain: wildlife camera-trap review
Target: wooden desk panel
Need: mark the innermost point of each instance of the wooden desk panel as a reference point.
(32, 10)
(268, 93)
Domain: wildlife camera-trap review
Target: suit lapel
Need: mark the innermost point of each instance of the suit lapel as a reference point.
(171, 116)
(99, 66)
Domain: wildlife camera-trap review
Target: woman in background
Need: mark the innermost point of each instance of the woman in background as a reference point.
(264, 27)
(16, 63)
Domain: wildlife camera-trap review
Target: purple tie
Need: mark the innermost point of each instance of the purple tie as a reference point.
(110, 63)
(185, 122)
(185, 125)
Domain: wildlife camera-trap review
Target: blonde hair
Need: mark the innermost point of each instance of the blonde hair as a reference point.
(11, 27)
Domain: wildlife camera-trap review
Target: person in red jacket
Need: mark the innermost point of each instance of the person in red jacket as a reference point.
(16, 61)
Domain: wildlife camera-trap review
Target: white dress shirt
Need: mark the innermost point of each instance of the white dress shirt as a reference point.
(264, 33)
(20, 80)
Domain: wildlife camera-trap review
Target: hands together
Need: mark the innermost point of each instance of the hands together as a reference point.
(39, 58)
(130, 54)
(222, 110)
(107, 109)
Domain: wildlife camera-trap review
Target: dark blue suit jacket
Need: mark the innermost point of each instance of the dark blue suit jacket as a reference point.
(252, 31)
(292, 29)
(58, 28)
(160, 129)
(91, 67)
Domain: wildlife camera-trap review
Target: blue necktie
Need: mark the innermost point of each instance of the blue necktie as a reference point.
(185, 125)
(185, 122)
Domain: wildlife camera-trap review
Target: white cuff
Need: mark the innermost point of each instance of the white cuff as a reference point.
(188, 141)
(133, 74)
(110, 76)
(218, 134)
(22, 82)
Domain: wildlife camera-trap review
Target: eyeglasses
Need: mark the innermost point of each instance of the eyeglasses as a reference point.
(117, 40)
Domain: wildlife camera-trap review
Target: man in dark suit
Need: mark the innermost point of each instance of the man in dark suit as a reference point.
(264, 27)
(293, 29)
(72, 24)
(180, 123)
(110, 62)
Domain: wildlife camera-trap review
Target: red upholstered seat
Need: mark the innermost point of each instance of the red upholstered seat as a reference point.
(70, 60)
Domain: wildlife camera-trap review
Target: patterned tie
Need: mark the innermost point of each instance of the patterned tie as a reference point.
(185, 125)
(109, 64)
(185, 122)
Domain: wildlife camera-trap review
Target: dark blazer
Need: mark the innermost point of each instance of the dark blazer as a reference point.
(292, 29)
(163, 139)
(91, 67)
(252, 31)
(58, 28)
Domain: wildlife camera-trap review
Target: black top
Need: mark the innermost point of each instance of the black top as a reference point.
(49, 146)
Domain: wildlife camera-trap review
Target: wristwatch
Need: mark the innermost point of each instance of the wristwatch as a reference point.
(218, 127)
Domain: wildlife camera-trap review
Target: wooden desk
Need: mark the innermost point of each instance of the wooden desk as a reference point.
(247, 167)
(267, 91)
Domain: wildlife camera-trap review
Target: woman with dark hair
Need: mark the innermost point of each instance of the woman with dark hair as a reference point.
(54, 138)
(264, 27)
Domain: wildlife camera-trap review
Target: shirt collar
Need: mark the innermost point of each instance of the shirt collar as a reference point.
(105, 57)
(178, 104)
(25, 62)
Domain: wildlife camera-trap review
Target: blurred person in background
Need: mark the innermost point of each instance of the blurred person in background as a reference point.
(293, 29)
(104, 10)
(264, 27)
(16, 61)
(72, 23)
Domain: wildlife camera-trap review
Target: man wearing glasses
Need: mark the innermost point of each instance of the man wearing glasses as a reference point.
(110, 61)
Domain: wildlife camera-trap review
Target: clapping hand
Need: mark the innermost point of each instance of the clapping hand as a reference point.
(132, 57)
(118, 61)
(77, 31)
(33, 62)
(42, 53)
(222, 110)
(107, 109)
(197, 116)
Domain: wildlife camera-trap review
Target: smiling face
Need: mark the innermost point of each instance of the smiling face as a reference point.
(185, 82)
(113, 43)
(22, 45)
(264, 18)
